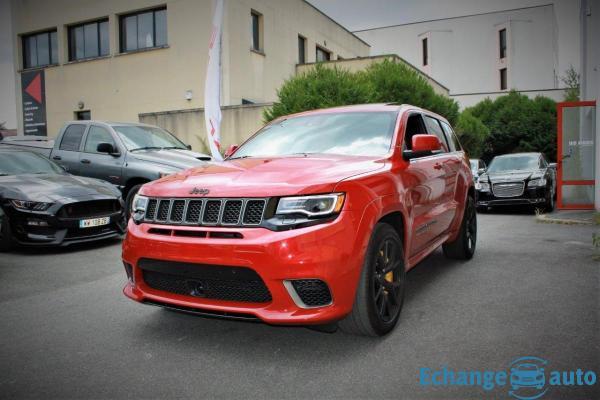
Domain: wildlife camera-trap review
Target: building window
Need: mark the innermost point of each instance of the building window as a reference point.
(322, 54)
(503, 81)
(257, 31)
(301, 50)
(425, 52)
(40, 49)
(88, 40)
(83, 115)
(502, 42)
(143, 30)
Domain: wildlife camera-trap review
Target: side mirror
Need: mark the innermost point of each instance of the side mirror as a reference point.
(552, 165)
(480, 171)
(230, 150)
(189, 146)
(423, 145)
(107, 148)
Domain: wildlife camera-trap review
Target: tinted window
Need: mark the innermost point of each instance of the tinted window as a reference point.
(95, 136)
(425, 51)
(414, 126)
(502, 42)
(255, 31)
(40, 49)
(451, 136)
(434, 128)
(143, 30)
(301, 50)
(349, 133)
(25, 162)
(503, 79)
(72, 138)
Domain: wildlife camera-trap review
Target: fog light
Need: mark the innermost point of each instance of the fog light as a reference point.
(129, 272)
(37, 222)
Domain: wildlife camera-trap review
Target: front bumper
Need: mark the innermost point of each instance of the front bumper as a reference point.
(61, 231)
(530, 196)
(331, 252)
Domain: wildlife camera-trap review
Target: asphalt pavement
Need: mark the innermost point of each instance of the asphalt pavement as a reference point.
(532, 289)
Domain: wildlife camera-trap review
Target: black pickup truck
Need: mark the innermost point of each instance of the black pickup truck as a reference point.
(124, 154)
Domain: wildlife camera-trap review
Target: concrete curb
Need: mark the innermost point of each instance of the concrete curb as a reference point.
(546, 219)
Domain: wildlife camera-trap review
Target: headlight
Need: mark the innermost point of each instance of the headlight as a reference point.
(482, 186)
(139, 203)
(30, 205)
(312, 206)
(537, 182)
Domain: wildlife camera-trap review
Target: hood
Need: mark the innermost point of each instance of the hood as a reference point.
(175, 158)
(510, 176)
(263, 177)
(53, 188)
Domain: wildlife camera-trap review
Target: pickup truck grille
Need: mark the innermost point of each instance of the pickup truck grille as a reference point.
(513, 189)
(205, 212)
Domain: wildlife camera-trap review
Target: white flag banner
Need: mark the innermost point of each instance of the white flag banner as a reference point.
(212, 86)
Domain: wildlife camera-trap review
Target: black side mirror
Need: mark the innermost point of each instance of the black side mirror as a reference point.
(189, 146)
(107, 148)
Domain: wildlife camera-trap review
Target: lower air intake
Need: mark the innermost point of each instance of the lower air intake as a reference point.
(312, 292)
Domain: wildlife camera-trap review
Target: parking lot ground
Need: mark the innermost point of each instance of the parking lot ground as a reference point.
(532, 289)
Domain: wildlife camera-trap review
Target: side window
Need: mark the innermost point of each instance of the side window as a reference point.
(543, 163)
(95, 136)
(434, 128)
(72, 137)
(452, 138)
(414, 126)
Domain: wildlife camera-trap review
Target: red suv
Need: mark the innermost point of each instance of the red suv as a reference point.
(313, 220)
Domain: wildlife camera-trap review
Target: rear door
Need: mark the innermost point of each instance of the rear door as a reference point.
(101, 165)
(66, 152)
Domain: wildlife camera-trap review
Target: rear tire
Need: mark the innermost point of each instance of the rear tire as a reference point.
(463, 247)
(6, 238)
(380, 292)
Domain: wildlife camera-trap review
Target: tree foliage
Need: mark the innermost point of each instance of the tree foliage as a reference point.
(472, 134)
(517, 123)
(571, 80)
(384, 82)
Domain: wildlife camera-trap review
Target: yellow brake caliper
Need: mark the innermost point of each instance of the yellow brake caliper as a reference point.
(390, 275)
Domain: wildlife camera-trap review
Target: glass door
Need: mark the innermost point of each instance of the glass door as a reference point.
(576, 153)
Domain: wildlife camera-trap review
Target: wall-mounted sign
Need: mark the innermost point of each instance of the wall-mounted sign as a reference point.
(33, 93)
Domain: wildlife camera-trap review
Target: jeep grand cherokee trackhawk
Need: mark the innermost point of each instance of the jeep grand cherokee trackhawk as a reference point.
(314, 220)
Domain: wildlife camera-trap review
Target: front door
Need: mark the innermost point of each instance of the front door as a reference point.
(576, 153)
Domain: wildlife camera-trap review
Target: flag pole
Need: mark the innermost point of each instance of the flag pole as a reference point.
(212, 86)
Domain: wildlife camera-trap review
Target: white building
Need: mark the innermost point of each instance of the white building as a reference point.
(485, 55)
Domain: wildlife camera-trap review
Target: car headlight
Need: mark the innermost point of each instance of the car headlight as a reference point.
(139, 203)
(311, 206)
(30, 205)
(537, 182)
(482, 186)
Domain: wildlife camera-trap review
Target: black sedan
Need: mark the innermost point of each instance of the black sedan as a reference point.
(41, 204)
(520, 178)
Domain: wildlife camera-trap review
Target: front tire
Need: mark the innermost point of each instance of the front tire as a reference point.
(380, 291)
(463, 247)
(549, 204)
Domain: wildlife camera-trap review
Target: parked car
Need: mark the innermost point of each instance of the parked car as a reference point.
(313, 220)
(520, 178)
(477, 168)
(124, 154)
(41, 204)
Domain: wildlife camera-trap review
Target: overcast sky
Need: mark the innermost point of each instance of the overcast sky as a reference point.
(363, 14)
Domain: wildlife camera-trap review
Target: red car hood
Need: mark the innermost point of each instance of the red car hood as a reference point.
(264, 177)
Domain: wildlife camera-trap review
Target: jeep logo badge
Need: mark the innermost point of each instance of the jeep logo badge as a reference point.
(200, 191)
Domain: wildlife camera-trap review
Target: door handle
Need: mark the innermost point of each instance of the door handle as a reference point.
(437, 166)
(57, 158)
(85, 161)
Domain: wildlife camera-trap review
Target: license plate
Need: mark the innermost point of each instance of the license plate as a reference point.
(88, 223)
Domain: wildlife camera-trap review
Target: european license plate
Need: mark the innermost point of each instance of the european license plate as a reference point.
(88, 223)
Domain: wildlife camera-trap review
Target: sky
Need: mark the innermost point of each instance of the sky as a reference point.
(363, 14)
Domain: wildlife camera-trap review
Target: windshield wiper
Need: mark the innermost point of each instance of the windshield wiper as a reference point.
(148, 148)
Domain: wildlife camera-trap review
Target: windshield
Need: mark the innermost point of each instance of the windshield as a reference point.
(26, 162)
(350, 133)
(523, 162)
(147, 137)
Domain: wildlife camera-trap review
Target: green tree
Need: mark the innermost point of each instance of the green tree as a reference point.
(571, 80)
(472, 134)
(518, 123)
(384, 82)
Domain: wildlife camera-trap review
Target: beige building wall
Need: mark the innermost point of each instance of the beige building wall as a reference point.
(120, 87)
